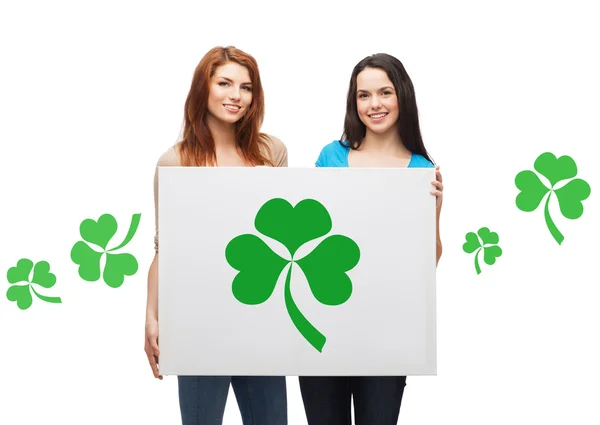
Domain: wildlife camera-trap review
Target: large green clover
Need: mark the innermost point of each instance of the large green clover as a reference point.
(325, 267)
(570, 196)
(22, 293)
(488, 243)
(100, 233)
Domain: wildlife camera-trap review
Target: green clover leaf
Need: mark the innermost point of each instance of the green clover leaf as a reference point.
(117, 267)
(472, 243)
(88, 260)
(532, 190)
(485, 240)
(21, 294)
(570, 196)
(293, 226)
(99, 233)
(488, 237)
(259, 268)
(325, 267)
(21, 272)
(555, 169)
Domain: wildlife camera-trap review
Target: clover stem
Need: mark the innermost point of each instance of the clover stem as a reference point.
(55, 300)
(477, 268)
(558, 237)
(308, 331)
(135, 221)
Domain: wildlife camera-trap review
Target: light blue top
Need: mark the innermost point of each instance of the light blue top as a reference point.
(336, 155)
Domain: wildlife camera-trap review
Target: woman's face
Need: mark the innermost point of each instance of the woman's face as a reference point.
(230, 93)
(376, 100)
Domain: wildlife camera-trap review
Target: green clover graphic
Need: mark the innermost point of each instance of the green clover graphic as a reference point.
(570, 196)
(489, 244)
(22, 293)
(325, 267)
(100, 233)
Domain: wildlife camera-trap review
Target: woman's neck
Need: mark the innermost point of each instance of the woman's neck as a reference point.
(223, 133)
(384, 144)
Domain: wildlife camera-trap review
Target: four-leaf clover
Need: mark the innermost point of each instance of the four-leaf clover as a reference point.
(570, 196)
(22, 293)
(100, 233)
(488, 243)
(325, 267)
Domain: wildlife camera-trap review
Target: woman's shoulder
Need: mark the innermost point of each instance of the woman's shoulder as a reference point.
(335, 147)
(333, 154)
(419, 161)
(275, 143)
(279, 154)
(170, 158)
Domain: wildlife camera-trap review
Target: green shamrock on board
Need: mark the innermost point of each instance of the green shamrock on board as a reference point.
(324, 268)
(570, 195)
(489, 244)
(100, 233)
(22, 293)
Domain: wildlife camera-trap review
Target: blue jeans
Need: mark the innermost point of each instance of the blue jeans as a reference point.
(262, 399)
(377, 399)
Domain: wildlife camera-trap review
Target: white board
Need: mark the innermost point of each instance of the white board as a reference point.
(377, 318)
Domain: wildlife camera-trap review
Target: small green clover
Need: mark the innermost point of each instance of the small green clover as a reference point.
(100, 233)
(325, 267)
(570, 196)
(489, 244)
(22, 293)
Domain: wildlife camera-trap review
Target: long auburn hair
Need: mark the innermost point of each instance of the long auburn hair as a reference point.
(408, 120)
(197, 146)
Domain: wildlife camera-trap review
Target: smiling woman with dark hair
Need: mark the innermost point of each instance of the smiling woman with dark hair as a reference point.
(381, 129)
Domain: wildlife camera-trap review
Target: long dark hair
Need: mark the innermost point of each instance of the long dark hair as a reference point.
(408, 120)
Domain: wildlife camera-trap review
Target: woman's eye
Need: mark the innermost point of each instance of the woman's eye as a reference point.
(223, 84)
(362, 95)
(247, 88)
(387, 93)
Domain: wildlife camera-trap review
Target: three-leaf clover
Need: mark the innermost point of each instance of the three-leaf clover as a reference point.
(570, 196)
(325, 267)
(100, 233)
(22, 293)
(488, 243)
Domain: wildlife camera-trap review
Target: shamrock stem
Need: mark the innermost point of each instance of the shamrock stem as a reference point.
(477, 268)
(308, 331)
(135, 221)
(55, 300)
(558, 237)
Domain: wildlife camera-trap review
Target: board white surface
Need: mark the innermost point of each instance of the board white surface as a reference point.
(386, 327)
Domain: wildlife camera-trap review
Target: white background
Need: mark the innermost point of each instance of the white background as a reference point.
(92, 93)
(387, 326)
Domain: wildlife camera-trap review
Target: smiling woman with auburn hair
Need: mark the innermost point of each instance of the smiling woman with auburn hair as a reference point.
(223, 114)
(198, 144)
